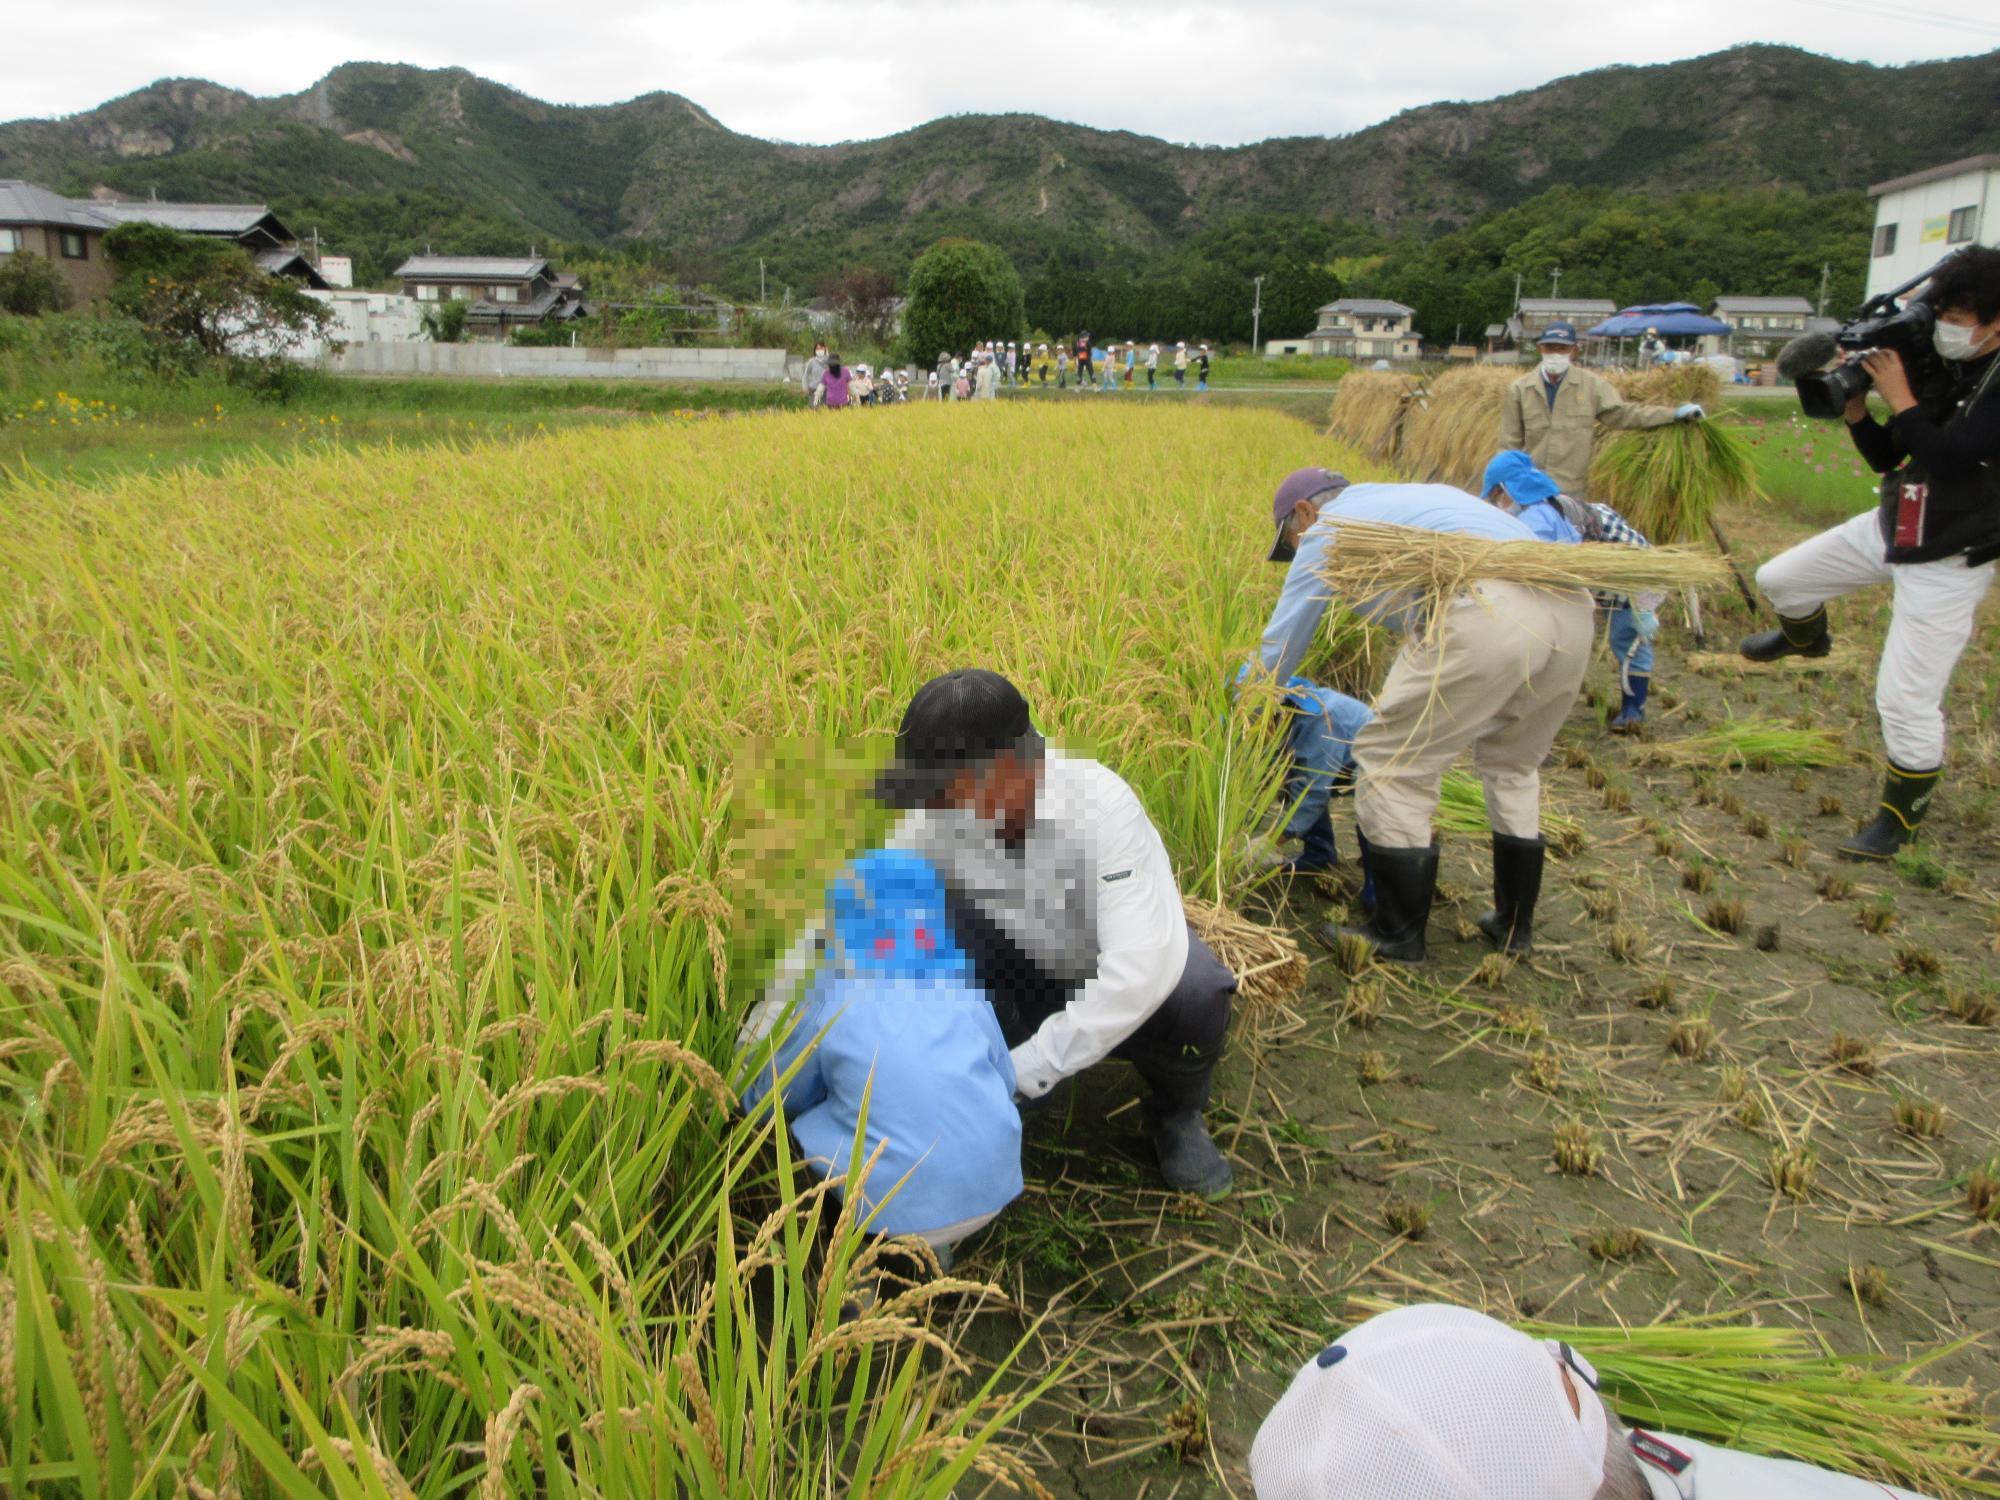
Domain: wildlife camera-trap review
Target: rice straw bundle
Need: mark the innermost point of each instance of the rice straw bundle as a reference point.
(1368, 411)
(1267, 963)
(1461, 809)
(1785, 1392)
(1454, 429)
(1668, 481)
(1670, 385)
(1742, 742)
(1368, 558)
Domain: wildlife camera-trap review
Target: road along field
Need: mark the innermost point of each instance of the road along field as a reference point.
(372, 832)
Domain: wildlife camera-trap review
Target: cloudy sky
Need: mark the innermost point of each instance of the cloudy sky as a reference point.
(1220, 71)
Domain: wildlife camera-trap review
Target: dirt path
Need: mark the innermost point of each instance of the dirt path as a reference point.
(1843, 990)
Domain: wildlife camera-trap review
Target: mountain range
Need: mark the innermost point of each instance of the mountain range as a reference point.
(384, 158)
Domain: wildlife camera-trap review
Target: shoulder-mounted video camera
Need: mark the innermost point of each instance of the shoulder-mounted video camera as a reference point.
(1879, 323)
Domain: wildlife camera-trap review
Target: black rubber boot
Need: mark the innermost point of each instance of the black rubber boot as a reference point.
(1177, 1092)
(1405, 881)
(1808, 636)
(1517, 885)
(1906, 797)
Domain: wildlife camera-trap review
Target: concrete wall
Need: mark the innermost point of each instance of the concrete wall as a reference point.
(496, 360)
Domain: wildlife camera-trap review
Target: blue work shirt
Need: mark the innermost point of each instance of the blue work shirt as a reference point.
(1303, 600)
(1548, 524)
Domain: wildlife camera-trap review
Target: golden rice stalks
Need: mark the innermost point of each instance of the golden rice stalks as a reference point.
(1372, 557)
(1670, 385)
(1369, 409)
(1453, 430)
(1267, 963)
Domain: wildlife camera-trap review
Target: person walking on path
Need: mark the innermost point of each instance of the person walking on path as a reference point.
(815, 373)
(1201, 368)
(1496, 673)
(1180, 365)
(1131, 363)
(1109, 366)
(1152, 367)
(1083, 364)
(1060, 889)
(1933, 537)
(1552, 413)
(836, 382)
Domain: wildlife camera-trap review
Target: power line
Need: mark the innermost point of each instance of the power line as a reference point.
(1888, 10)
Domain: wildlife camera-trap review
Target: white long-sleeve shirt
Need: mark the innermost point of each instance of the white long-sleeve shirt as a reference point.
(1090, 894)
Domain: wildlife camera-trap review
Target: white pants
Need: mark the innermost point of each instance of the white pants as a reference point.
(1930, 620)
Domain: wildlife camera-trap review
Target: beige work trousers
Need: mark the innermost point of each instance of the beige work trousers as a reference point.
(1497, 678)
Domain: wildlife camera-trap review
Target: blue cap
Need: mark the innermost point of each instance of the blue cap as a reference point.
(888, 910)
(1559, 333)
(1516, 473)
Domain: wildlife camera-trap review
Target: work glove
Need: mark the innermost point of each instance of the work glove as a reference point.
(1689, 411)
(1646, 623)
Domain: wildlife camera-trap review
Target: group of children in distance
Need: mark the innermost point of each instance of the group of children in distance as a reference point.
(979, 375)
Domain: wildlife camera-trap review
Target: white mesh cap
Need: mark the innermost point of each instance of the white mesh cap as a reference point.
(1433, 1403)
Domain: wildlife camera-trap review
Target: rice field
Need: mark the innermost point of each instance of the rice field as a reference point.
(366, 860)
(390, 841)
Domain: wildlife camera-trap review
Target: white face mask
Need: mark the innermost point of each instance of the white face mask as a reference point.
(1555, 366)
(1954, 340)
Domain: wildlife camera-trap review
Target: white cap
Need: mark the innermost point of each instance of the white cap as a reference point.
(1433, 1403)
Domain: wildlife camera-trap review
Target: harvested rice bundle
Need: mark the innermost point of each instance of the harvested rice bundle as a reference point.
(1369, 409)
(1744, 742)
(1371, 558)
(1268, 964)
(1454, 429)
(1786, 1393)
(1462, 810)
(1670, 385)
(1668, 481)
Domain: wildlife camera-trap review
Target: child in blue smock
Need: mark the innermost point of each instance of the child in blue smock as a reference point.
(899, 1020)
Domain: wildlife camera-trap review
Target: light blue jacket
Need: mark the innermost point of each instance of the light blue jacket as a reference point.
(1303, 600)
(901, 1025)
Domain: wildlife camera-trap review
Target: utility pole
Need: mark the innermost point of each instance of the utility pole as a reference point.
(1824, 272)
(1555, 283)
(1256, 315)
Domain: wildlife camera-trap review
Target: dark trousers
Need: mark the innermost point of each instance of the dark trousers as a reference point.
(1187, 1029)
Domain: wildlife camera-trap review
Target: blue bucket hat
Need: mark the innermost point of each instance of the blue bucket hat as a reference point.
(1516, 473)
(889, 916)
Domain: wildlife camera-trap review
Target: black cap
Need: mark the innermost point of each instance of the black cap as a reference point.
(954, 723)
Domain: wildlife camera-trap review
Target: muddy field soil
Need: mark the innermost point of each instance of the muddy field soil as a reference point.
(1714, 1000)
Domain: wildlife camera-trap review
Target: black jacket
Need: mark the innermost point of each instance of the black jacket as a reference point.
(1950, 441)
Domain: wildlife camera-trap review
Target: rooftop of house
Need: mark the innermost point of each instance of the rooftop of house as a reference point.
(1763, 305)
(195, 218)
(24, 203)
(1558, 306)
(1371, 307)
(472, 268)
(1989, 162)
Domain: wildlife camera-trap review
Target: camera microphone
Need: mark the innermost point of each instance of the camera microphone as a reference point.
(1805, 354)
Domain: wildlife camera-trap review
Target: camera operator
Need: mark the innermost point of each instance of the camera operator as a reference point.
(1933, 538)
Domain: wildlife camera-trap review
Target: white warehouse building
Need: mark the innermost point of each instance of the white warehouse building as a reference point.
(1921, 218)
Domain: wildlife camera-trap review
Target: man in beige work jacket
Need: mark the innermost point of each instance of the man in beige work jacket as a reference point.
(1553, 412)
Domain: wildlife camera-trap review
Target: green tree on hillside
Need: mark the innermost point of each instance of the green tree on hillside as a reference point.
(960, 293)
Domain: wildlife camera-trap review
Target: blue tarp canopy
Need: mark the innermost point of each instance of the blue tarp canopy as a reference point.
(1673, 320)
